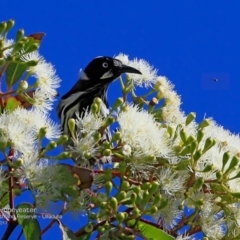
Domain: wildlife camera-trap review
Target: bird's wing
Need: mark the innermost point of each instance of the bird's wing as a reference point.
(68, 107)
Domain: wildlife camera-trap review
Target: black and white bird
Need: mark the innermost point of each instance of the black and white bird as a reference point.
(94, 81)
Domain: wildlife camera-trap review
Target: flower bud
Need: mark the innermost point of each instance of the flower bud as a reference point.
(94, 108)
(32, 63)
(197, 155)
(136, 212)
(226, 157)
(137, 190)
(23, 86)
(108, 187)
(208, 144)
(42, 133)
(18, 163)
(146, 186)
(116, 136)
(50, 146)
(120, 217)
(219, 175)
(190, 139)
(87, 155)
(199, 182)
(106, 144)
(97, 136)
(200, 135)
(153, 209)
(121, 195)
(194, 145)
(88, 228)
(101, 229)
(63, 155)
(113, 203)
(117, 103)
(234, 162)
(107, 152)
(122, 168)
(208, 168)
(10, 24)
(133, 197)
(3, 26)
(97, 101)
(125, 185)
(108, 121)
(71, 126)
(19, 35)
(170, 131)
(126, 150)
(108, 174)
(204, 123)
(103, 205)
(185, 151)
(62, 139)
(191, 116)
(183, 136)
(154, 187)
(146, 196)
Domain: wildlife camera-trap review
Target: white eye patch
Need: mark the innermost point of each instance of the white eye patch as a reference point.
(117, 63)
(107, 74)
(83, 75)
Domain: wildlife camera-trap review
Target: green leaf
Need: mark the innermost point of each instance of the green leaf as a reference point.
(12, 104)
(151, 232)
(14, 71)
(4, 195)
(68, 234)
(27, 219)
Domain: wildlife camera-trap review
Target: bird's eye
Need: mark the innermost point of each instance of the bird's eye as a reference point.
(105, 65)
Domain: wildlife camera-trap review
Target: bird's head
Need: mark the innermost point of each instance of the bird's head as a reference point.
(106, 69)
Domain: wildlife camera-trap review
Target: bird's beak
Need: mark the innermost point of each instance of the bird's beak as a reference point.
(127, 69)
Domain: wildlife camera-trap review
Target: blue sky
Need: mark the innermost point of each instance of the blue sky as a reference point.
(190, 42)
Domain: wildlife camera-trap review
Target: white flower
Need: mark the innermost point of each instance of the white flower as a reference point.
(184, 237)
(32, 56)
(29, 117)
(170, 215)
(148, 76)
(126, 150)
(212, 223)
(82, 146)
(45, 179)
(87, 123)
(172, 181)
(141, 132)
(227, 140)
(47, 79)
(123, 58)
(42, 101)
(20, 127)
(17, 132)
(163, 85)
(6, 44)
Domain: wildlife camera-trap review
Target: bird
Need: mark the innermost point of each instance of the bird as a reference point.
(215, 79)
(93, 82)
